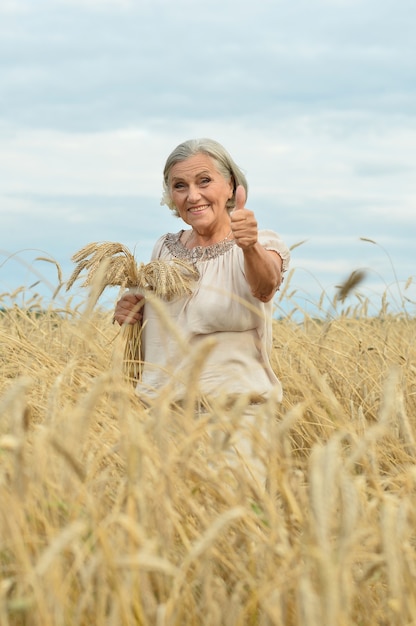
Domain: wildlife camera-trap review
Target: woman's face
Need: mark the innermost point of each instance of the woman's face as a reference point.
(200, 192)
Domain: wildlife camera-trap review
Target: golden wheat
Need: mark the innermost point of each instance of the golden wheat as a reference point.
(112, 264)
(354, 279)
(113, 514)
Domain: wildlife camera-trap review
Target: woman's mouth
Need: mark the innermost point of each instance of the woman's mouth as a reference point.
(198, 209)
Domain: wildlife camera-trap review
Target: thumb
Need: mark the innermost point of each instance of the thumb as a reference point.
(240, 198)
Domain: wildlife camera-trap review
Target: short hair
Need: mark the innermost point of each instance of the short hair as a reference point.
(225, 165)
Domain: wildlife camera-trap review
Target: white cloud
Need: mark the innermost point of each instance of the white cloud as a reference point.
(85, 69)
(14, 7)
(122, 162)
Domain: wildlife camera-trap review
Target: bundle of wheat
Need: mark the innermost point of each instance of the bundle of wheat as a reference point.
(164, 279)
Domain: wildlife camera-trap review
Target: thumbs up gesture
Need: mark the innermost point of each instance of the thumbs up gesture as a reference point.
(243, 221)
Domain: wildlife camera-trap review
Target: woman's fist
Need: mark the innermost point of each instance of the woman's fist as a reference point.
(129, 309)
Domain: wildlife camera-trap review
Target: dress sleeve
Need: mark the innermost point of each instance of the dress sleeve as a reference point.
(271, 241)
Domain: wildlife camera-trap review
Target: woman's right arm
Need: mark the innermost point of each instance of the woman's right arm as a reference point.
(129, 309)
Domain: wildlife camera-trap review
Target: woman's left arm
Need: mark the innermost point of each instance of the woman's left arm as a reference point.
(263, 268)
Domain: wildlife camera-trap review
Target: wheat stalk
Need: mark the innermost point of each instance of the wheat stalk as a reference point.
(165, 279)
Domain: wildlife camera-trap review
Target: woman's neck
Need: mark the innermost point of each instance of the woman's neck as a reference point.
(193, 238)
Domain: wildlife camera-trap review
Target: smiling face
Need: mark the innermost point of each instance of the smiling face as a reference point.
(200, 193)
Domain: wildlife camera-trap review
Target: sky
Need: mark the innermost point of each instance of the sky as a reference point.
(314, 99)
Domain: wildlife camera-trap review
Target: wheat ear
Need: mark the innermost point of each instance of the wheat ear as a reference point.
(165, 279)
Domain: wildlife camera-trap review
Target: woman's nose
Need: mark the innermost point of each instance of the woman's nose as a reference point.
(193, 193)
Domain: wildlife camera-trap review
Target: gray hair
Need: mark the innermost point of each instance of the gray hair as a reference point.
(224, 163)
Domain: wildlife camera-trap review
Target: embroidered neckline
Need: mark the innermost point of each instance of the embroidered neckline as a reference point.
(199, 253)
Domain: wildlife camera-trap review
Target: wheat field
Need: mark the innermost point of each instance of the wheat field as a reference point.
(107, 520)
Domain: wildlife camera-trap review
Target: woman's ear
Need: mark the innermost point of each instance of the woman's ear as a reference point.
(232, 188)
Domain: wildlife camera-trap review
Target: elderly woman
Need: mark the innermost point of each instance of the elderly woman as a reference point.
(240, 268)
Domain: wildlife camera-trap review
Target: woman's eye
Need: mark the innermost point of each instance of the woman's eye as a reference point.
(205, 181)
(178, 186)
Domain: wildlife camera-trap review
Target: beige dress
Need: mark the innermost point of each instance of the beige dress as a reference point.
(219, 337)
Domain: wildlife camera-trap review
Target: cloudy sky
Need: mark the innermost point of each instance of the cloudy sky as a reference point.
(315, 100)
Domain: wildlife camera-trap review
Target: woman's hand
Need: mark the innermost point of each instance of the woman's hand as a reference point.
(129, 309)
(263, 268)
(243, 221)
